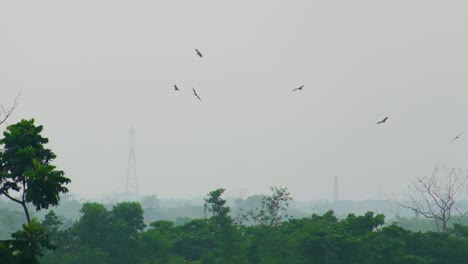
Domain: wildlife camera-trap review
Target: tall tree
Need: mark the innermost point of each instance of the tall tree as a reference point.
(273, 209)
(29, 242)
(25, 168)
(225, 233)
(216, 205)
(126, 224)
(52, 225)
(93, 227)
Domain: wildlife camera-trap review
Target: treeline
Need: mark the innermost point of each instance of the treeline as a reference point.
(119, 235)
(265, 234)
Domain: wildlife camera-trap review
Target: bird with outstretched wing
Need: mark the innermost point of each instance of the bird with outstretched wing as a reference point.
(195, 93)
(457, 137)
(298, 88)
(383, 120)
(199, 53)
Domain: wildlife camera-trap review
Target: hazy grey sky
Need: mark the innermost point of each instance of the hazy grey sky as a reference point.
(89, 70)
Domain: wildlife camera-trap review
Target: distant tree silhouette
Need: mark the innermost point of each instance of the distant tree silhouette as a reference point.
(437, 196)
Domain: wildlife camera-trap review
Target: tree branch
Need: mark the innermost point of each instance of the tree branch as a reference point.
(8, 111)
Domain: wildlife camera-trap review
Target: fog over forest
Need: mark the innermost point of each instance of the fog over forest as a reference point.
(233, 132)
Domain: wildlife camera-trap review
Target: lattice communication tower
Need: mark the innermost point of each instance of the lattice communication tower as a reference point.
(131, 187)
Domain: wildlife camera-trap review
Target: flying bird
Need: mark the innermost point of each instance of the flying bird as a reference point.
(457, 137)
(298, 88)
(199, 53)
(383, 120)
(176, 88)
(195, 93)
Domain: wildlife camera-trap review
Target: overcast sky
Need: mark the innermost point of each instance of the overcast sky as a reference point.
(89, 70)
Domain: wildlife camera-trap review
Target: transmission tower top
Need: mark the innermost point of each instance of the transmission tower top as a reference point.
(131, 187)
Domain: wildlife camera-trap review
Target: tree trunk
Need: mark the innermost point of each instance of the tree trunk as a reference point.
(26, 212)
(444, 224)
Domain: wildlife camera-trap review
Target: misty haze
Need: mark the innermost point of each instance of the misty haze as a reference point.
(233, 132)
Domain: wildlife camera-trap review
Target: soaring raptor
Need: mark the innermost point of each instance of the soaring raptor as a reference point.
(298, 88)
(195, 93)
(383, 120)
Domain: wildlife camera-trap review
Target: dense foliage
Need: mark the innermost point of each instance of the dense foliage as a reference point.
(119, 236)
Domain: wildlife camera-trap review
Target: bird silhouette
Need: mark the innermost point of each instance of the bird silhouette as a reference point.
(195, 93)
(457, 137)
(383, 120)
(199, 53)
(176, 88)
(298, 88)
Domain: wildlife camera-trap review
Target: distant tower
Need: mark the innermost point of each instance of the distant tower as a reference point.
(335, 190)
(131, 188)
